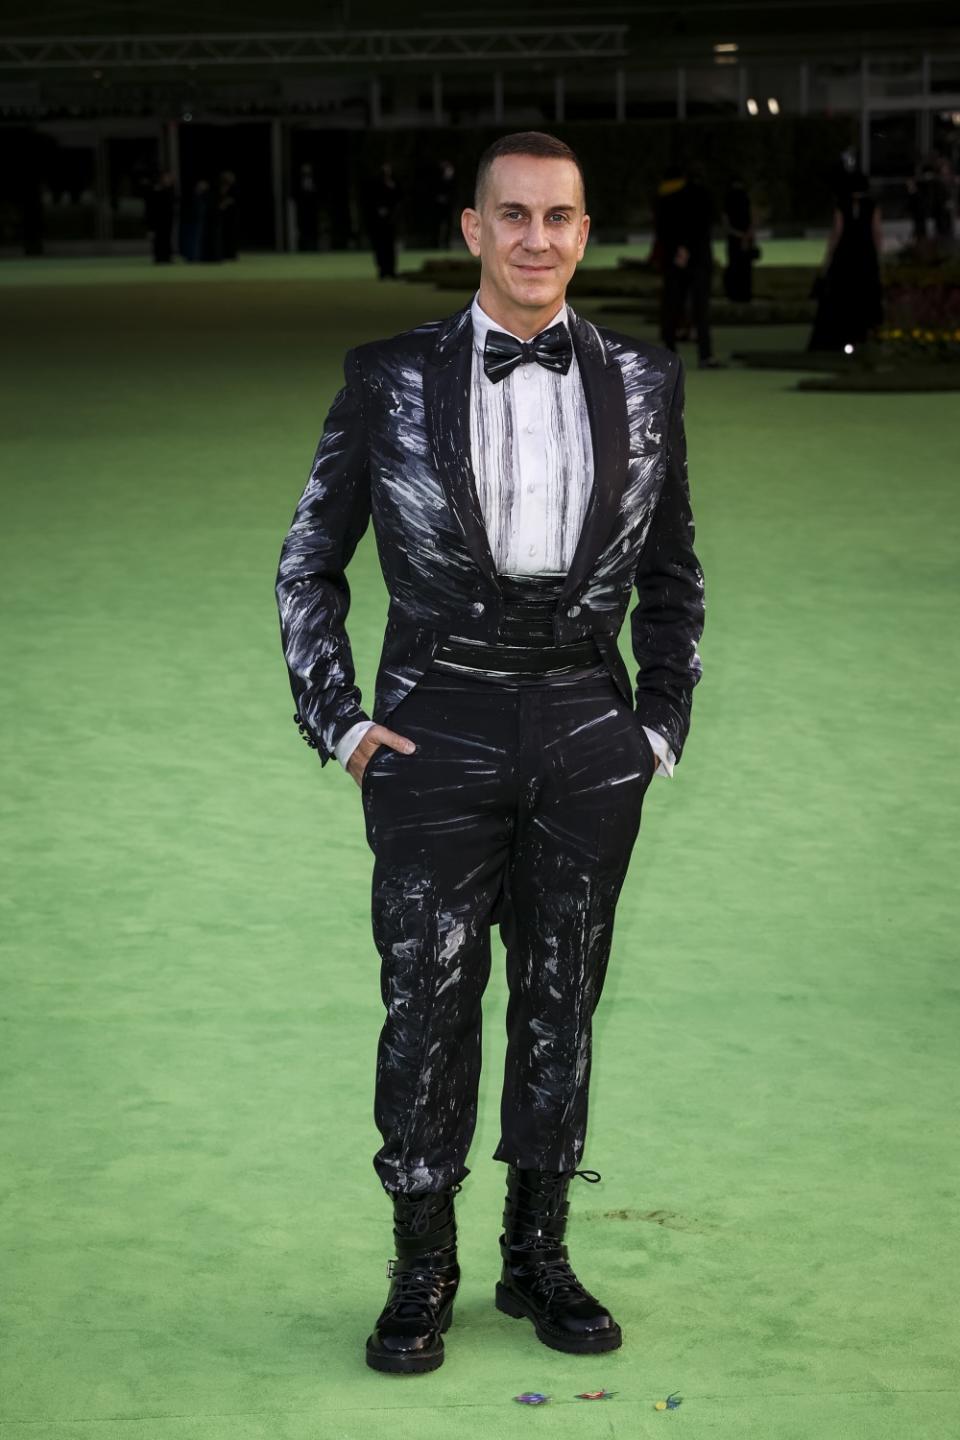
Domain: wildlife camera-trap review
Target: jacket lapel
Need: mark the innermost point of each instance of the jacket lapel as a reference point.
(446, 395)
(607, 409)
(446, 399)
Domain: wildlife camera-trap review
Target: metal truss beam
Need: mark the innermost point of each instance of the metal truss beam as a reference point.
(571, 42)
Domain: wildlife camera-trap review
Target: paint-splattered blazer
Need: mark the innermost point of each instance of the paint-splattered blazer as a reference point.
(396, 448)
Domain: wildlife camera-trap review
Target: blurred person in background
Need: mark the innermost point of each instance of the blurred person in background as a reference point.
(915, 209)
(195, 223)
(443, 200)
(160, 208)
(945, 214)
(307, 202)
(383, 201)
(683, 220)
(227, 211)
(741, 243)
(848, 287)
(933, 194)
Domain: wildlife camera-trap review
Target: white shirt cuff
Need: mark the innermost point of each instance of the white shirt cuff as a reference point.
(662, 750)
(347, 743)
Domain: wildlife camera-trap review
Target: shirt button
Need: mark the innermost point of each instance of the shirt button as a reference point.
(477, 607)
(573, 610)
(530, 489)
(532, 550)
(531, 429)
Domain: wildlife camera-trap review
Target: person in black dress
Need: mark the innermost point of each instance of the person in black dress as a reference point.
(849, 290)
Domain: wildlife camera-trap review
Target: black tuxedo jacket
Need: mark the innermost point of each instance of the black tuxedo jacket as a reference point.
(396, 447)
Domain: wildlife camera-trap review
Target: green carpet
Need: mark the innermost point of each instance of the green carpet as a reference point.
(193, 1236)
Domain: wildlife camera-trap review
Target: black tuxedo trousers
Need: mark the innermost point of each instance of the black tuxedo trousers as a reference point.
(519, 806)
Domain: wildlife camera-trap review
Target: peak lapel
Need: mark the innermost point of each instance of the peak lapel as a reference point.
(446, 397)
(607, 408)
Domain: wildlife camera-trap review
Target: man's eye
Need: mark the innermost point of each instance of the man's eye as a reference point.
(560, 216)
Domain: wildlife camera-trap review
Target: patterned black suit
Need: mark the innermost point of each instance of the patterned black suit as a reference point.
(516, 806)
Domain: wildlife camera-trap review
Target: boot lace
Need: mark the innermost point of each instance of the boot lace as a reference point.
(417, 1292)
(552, 1185)
(556, 1278)
(421, 1211)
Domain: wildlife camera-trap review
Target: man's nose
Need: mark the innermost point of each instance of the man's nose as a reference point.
(535, 236)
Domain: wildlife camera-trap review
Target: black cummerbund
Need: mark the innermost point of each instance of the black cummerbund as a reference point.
(525, 646)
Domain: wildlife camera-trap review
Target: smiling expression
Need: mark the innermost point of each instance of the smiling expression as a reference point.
(529, 233)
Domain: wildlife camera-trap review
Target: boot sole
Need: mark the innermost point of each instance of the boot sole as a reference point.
(412, 1364)
(509, 1304)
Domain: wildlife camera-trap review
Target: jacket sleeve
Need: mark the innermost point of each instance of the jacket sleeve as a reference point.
(667, 621)
(313, 596)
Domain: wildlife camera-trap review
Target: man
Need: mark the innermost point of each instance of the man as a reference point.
(683, 219)
(383, 203)
(524, 472)
(160, 205)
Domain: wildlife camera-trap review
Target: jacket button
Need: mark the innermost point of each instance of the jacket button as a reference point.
(573, 611)
(477, 607)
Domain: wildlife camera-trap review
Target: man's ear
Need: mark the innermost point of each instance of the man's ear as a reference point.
(470, 226)
(584, 232)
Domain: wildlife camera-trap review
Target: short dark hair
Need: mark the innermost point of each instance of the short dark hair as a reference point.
(524, 142)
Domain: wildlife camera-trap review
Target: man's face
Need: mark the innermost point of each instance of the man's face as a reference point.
(530, 231)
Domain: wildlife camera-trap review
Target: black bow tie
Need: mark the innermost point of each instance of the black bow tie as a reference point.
(553, 349)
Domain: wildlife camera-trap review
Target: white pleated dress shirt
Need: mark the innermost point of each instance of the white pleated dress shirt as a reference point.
(532, 457)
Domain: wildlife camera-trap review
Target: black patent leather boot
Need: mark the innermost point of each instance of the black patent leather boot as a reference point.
(408, 1336)
(537, 1282)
